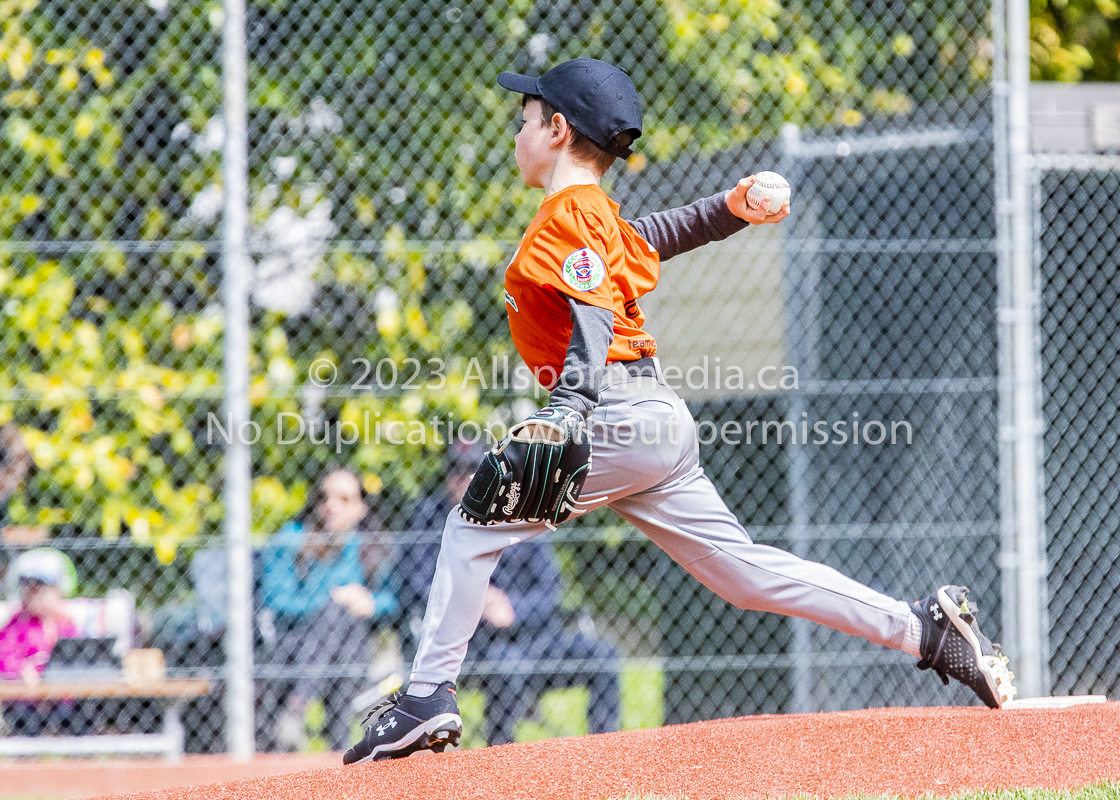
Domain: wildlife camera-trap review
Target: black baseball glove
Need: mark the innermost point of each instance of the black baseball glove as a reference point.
(535, 474)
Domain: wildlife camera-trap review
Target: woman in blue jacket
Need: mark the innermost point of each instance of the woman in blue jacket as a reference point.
(323, 580)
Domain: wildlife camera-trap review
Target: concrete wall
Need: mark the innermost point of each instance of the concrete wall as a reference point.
(724, 301)
(1075, 117)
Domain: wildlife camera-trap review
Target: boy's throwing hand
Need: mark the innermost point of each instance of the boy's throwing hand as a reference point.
(737, 204)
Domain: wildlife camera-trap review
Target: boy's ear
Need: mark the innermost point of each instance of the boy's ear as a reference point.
(561, 130)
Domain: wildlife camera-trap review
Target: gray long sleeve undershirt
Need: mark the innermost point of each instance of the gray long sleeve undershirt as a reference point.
(670, 233)
(592, 333)
(679, 230)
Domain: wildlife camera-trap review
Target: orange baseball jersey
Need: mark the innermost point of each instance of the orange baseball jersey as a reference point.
(577, 246)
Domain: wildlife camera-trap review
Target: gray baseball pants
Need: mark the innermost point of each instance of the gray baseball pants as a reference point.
(646, 466)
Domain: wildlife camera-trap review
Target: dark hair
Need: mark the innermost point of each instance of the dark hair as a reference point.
(582, 148)
(309, 514)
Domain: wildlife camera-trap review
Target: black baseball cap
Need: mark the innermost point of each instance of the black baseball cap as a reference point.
(598, 100)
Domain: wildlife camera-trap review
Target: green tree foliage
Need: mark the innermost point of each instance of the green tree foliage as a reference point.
(377, 130)
(1075, 40)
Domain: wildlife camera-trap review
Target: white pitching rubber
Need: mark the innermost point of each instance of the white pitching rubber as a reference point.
(1054, 702)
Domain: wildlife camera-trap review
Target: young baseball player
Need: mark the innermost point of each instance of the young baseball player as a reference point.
(572, 292)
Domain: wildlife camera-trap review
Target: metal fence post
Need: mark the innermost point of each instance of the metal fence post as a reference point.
(239, 644)
(803, 356)
(1025, 596)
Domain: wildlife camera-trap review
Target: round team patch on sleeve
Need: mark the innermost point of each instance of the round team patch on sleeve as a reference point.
(583, 270)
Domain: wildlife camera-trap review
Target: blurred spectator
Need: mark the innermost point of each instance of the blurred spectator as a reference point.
(44, 576)
(323, 582)
(521, 621)
(15, 461)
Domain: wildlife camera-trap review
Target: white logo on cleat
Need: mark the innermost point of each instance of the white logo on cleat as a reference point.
(392, 723)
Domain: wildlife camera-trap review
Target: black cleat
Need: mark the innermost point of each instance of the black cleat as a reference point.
(403, 724)
(953, 646)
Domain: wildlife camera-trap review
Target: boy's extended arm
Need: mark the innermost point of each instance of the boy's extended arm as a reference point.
(679, 230)
(592, 333)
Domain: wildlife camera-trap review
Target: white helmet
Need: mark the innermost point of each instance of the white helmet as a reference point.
(47, 565)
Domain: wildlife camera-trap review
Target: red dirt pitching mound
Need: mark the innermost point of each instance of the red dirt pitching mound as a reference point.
(905, 751)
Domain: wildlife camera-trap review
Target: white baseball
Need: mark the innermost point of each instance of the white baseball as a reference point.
(770, 191)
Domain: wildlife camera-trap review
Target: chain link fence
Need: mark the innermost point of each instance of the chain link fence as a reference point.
(1078, 228)
(383, 206)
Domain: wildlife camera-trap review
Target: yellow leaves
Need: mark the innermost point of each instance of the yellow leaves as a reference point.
(83, 126)
(366, 210)
(258, 391)
(29, 204)
(718, 23)
(831, 78)
(903, 45)
(140, 521)
(87, 338)
(17, 57)
(268, 491)
(113, 260)
(417, 327)
(389, 322)
(980, 68)
(52, 516)
(1053, 61)
(165, 549)
(68, 79)
(206, 328)
(182, 442)
(154, 221)
(851, 117)
(371, 483)
(43, 451)
(394, 246)
(98, 305)
(131, 342)
(21, 133)
(892, 102)
(22, 99)
(76, 420)
(686, 28)
(796, 85)
(179, 516)
(636, 163)
(663, 142)
(281, 371)
(112, 513)
(94, 60)
(103, 78)
(273, 504)
(276, 342)
(56, 57)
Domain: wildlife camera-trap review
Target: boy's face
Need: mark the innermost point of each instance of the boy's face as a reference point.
(533, 146)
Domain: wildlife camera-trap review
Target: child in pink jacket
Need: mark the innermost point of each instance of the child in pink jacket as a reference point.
(45, 576)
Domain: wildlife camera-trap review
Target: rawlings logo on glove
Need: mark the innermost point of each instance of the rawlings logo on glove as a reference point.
(535, 474)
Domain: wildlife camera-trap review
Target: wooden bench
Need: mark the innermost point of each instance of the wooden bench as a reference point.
(172, 694)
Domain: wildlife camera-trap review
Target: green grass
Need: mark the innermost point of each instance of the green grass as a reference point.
(560, 712)
(563, 712)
